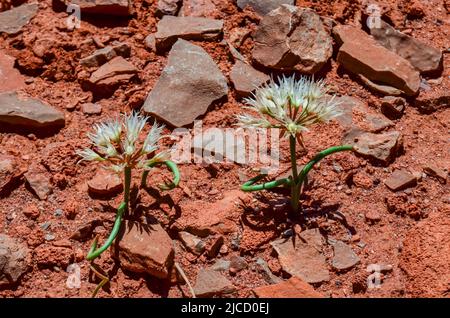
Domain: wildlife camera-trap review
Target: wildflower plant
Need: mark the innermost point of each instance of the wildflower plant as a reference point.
(292, 106)
(116, 144)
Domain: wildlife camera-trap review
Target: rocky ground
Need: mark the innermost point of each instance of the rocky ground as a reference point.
(384, 209)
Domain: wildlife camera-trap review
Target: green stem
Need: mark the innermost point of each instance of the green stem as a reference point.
(172, 167)
(249, 185)
(319, 157)
(95, 252)
(295, 189)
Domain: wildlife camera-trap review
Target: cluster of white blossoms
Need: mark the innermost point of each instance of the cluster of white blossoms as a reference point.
(117, 142)
(292, 104)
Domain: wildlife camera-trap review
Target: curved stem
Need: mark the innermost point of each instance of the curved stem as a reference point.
(95, 252)
(172, 167)
(319, 157)
(183, 275)
(250, 184)
(295, 189)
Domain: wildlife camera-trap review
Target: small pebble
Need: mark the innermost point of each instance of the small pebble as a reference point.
(49, 237)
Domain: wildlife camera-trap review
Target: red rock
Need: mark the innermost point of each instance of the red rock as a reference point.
(170, 29)
(91, 109)
(48, 255)
(105, 183)
(302, 260)
(294, 287)
(144, 248)
(14, 260)
(291, 38)
(372, 216)
(428, 102)
(400, 180)
(190, 75)
(361, 54)
(205, 218)
(215, 247)
(10, 172)
(246, 79)
(31, 211)
(237, 263)
(39, 181)
(211, 283)
(422, 56)
(10, 77)
(115, 70)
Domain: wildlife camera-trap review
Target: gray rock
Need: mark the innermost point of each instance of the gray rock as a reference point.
(12, 21)
(344, 257)
(291, 38)
(106, 54)
(211, 283)
(170, 29)
(237, 264)
(221, 265)
(422, 56)
(263, 268)
(150, 42)
(29, 113)
(246, 79)
(302, 260)
(263, 7)
(13, 260)
(168, 7)
(188, 85)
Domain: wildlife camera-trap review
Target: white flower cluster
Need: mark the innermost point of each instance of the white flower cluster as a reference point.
(292, 104)
(117, 142)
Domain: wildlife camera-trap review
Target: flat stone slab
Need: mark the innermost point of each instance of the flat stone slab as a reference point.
(361, 54)
(14, 258)
(170, 29)
(344, 257)
(101, 56)
(211, 283)
(12, 21)
(302, 260)
(30, 113)
(188, 85)
(400, 180)
(118, 66)
(423, 57)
